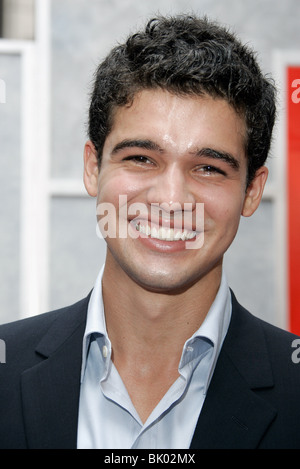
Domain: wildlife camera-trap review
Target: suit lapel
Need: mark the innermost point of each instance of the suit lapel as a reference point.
(234, 415)
(50, 390)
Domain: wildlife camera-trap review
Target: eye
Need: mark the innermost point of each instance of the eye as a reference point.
(139, 159)
(210, 170)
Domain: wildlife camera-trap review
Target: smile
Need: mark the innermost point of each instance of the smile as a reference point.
(165, 234)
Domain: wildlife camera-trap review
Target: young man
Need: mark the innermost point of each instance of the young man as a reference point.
(160, 354)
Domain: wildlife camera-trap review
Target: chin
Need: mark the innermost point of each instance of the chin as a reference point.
(163, 282)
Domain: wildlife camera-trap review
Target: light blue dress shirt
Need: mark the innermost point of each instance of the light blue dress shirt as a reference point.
(107, 417)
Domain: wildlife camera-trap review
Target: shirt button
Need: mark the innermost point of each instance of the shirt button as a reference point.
(104, 351)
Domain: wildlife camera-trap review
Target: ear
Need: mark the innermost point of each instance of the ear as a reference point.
(255, 191)
(91, 169)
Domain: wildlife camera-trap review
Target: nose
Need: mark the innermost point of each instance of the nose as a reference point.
(170, 190)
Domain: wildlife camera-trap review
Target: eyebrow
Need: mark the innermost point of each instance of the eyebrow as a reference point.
(147, 144)
(219, 155)
(139, 143)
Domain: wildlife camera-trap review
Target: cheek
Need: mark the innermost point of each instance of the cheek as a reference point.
(111, 187)
(117, 197)
(223, 208)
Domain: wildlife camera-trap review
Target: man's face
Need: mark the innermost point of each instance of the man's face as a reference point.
(175, 153)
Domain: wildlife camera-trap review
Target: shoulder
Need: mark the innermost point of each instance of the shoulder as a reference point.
(246, 320)
(284, 350)
(261, 339)
(41, 322)
(23, 336)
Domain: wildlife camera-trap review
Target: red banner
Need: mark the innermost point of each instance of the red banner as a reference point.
(293, 195)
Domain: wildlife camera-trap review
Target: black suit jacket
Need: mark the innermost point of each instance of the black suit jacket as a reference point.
(253, 400)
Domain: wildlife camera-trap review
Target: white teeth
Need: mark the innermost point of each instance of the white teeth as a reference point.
(166, 234)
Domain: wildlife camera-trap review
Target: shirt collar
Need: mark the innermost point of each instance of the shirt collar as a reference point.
(216, 322)
(212, 331)
(95, 323)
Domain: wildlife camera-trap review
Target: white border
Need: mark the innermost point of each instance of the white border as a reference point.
(39, 297)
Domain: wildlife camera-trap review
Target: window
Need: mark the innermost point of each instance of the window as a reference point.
(17, 19)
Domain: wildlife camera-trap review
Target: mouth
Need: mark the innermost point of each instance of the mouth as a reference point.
(164, 233)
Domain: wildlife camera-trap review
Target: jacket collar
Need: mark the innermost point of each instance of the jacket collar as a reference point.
(233, 414)
(50, 390)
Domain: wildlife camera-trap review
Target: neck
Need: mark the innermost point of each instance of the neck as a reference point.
(139, 318)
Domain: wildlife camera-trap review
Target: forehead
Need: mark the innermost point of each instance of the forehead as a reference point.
(180, 122)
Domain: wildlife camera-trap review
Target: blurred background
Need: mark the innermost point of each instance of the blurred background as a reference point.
(50, 254)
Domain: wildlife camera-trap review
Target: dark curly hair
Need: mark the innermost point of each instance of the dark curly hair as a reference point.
(186, 55)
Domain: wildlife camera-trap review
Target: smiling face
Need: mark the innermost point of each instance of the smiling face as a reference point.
(178, 154)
